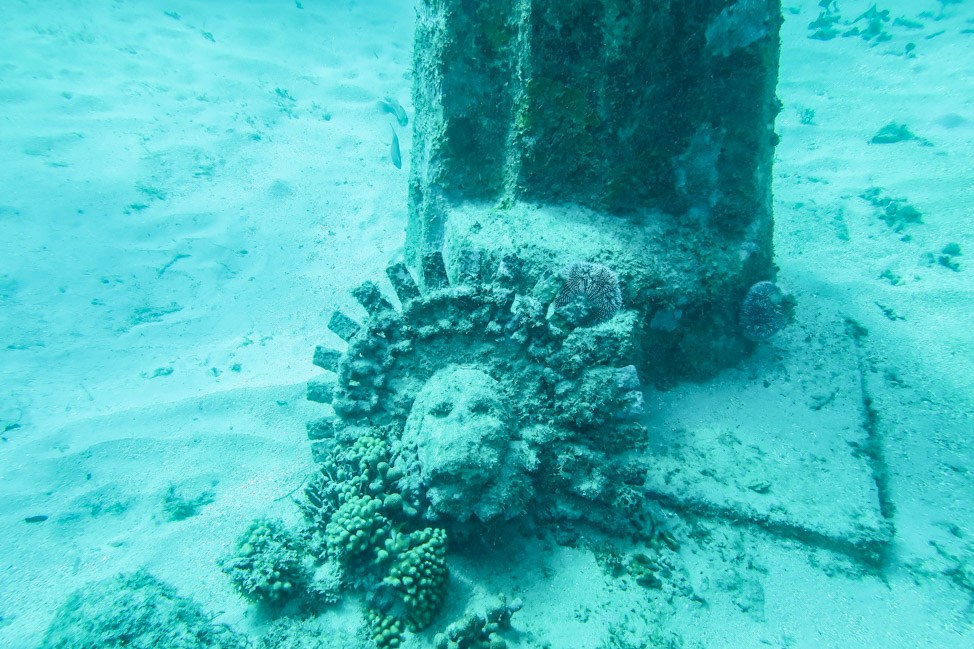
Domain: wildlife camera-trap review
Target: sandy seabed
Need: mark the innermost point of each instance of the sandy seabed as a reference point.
(187, 190)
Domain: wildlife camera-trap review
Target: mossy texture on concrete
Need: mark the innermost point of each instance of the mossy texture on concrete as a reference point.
(603, 103)
(685, 284)
(647, 127)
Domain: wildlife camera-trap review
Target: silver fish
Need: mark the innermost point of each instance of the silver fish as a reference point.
(394, 153)
(392, 106)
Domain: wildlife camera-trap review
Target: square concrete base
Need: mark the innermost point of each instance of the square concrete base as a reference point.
(782, 442)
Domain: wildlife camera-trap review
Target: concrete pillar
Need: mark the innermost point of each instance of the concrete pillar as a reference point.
(638, 134)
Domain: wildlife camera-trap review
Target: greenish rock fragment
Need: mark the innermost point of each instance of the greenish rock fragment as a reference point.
(893, 133)
(891, 276)
(158, 372)
(483, 630)
(946, 259)
(903, 21)
(952, 249)
(153, 314)
(874, 30)
(948, 262)
(824, 26)
(895, 212)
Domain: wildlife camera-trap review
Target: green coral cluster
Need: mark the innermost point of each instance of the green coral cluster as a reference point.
(350, 478)
(268, 565)
(475, 631)
(386, 629)
(419, 574)
(895, 212)
(356, 528)
(360, 520)
(351, 503)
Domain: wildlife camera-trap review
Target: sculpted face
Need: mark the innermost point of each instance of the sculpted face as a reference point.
(458, 429)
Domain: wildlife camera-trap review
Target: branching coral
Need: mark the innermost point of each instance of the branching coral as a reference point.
(419, 575)
(358, 518)
(268, 564)
(475, 631)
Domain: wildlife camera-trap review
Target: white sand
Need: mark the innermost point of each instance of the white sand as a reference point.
(184, 198)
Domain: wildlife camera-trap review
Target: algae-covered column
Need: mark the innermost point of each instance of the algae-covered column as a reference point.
(635, 134)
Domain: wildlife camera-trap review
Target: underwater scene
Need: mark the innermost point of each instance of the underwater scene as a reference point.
(486, 324)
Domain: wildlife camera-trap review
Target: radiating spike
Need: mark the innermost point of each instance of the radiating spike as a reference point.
(370, 297)
(327, 358)
(321, 390)
(470, 267)
(402, 282)
(344, 326)
(434, 271)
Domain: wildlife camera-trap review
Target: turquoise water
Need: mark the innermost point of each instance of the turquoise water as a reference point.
(190, 190)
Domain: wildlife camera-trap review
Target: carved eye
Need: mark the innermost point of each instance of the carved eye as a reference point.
(481, 406)
(442, 408)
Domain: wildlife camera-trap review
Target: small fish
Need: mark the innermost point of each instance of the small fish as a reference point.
(394, 153)
(392, 106)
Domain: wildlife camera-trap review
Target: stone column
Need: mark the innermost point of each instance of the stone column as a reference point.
(638, 134)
